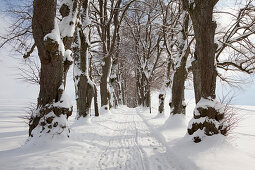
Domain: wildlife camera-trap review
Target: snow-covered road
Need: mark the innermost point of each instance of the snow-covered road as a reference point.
(121, 140)
(132, 145)
(128, 138)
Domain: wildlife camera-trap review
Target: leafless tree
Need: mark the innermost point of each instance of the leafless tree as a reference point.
(53, 41)
(207, 115)
(106, 17)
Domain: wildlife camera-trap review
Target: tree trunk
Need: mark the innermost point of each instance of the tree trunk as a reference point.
(51, 116)
(104, 86)
(83, 85)
(166, 85)
(196, 79)
(96, 102)
(68, 11)
(207, 115)
(177, 103)
(123, 92)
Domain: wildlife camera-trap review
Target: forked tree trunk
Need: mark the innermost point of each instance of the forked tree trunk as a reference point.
(84, 87)
(207, 115)
(51, 116)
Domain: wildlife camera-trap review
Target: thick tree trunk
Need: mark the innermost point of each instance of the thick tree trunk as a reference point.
(104, 83)
(147, 96)
(161, 107)
(123, 91)
(96, 101)
(166, 85)
(138, 88)
(143, 90)
(177, 103)
(196, 80)
(69, 11)
(84, 86)
(207, 115)
(50, 117)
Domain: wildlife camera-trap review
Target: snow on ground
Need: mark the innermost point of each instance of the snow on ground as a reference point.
(128, 138)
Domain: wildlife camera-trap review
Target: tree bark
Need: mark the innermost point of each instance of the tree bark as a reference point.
(85, 88)
(104, 83)
(49, 112)
(207, 117)
(96, 101)
(177, 103)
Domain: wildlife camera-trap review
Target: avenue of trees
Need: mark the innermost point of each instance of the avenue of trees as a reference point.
(126, 49)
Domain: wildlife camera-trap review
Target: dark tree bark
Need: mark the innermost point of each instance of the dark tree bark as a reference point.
(104, 83)
(204, 28)
(201, 12)
(85, 88)
(68, 12)
(180, 73)
(49, 113)
(196, 79)
(108, 30)
(96, 101)
(166, 85)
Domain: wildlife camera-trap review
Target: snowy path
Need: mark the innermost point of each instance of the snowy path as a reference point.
(127, 139)
(132, 145)
(121, 140)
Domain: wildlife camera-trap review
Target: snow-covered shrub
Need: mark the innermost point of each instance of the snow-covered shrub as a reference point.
(208, 119)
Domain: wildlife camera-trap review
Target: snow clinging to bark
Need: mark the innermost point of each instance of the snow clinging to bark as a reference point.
(55, 36)
(67, 25)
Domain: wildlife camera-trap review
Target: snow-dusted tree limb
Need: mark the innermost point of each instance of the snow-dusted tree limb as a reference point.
(237, 38)
(28, 53)
(19, 32)
(170, 22)
(180, 73)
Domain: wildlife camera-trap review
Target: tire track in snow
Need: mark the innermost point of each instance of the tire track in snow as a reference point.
(133, 146)
(158, 158)
(122, 151)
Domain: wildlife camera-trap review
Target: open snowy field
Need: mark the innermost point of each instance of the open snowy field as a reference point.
(128, 138)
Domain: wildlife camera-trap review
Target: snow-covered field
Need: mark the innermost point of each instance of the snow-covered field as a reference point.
(128, 138)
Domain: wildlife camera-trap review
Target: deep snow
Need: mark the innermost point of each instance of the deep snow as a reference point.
(126, 139)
